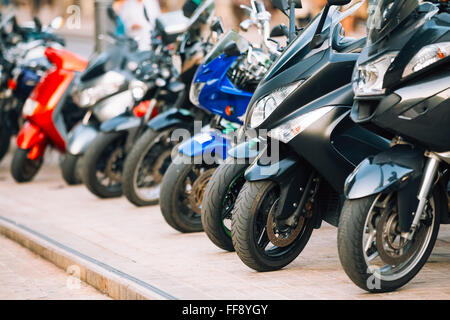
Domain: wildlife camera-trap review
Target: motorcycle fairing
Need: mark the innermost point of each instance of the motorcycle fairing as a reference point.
(32, 138)
(398, 169)
(172, 117)
(209, 142)
(81, 138)
(219, 92)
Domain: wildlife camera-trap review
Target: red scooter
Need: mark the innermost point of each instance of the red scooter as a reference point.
(49, 113)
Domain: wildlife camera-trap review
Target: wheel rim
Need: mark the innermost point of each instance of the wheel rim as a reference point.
(229, 200)
(151, 168)
(261, 237)
(188, 194)
(110, 167)
(386, 254)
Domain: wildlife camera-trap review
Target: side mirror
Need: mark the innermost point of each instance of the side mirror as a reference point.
(319, 39)
(232, 50)
(338, 2)
(57, 23)
(111, 13)
(284, 5)
(217, 26)
(280, 31)
(245, 25)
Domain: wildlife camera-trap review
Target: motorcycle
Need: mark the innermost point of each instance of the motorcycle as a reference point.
(296, 182)
(22, 64)
(223, 85)
(397, 199)
(49, 114)
(150, 157)
(103, 169)
(102, 90)
(333, 53)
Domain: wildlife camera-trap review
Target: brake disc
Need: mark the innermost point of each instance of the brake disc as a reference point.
(198, 190)
(392, 248)
(282, 238)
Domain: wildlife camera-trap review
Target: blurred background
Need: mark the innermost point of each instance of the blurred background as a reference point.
(81, 32)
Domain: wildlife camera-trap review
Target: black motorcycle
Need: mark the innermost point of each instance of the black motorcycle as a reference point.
(151, 156)
(297, 181)
(102, 92)
(331, 54)
(104, 162)
(397, 199)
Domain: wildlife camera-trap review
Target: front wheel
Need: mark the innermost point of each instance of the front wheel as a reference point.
(70, 168)
(261, 242)
(5, 140)
(372, 250)
(218, 203)
(24, 169)
(145, 167)
(103, 165)
(182, 192)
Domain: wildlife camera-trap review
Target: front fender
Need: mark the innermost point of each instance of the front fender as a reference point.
(121, 123)
(32, 138)
(274, 171)
(247, 150)
(172, 117)
(389, 171)
(206, 143)
(81, 138)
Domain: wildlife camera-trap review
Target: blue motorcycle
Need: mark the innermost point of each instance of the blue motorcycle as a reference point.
(223, 86)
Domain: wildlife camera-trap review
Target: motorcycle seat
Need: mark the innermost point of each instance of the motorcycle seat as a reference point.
(66, 60)
(344, 44)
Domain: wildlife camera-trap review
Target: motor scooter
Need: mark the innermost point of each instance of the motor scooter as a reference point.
(223, 85)
(49, 115)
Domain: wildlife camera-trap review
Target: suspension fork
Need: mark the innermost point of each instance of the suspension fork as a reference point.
(429, 176)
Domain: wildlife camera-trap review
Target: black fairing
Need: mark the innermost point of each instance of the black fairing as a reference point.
(416, 106)
(325, 72)
(334, 145)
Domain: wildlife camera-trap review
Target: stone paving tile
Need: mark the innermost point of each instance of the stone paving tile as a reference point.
(25, 276)
(140, 243)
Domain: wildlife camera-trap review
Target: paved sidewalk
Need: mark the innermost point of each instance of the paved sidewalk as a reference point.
(25, 276)
(138, 243)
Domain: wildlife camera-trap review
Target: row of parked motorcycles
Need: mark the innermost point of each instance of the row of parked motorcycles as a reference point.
(255, 144)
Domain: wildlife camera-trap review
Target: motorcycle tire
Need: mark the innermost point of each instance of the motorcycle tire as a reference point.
(5, 140)
(249, 231)
(150, 141)
(70, 169)
(218, 203)
(352, 227)
(96, 158)
(24, 169)
(173, 200)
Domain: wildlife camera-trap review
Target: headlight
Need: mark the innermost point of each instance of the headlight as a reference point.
(427, 56)
(368, 79)
(29, 107)
(138, 89)
(132, 66)
(267, 105)
(289, 130)
(108, 85)
(194, 95)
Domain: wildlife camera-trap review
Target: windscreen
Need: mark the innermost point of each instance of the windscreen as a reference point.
(387, 15)
(202, 14)
(219, 48)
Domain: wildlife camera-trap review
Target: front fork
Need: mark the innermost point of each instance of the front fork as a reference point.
(426, 185)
